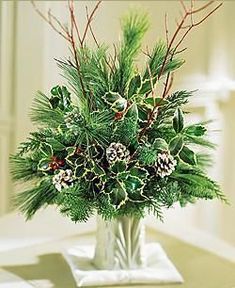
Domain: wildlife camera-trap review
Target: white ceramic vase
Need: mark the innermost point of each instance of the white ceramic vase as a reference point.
(120, 244)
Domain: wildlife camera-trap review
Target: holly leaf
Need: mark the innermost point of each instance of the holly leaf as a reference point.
(147, 86)
(188, 156)
(116, 101)
(153, 101)
(119, 105)
(132, 111)
(80, 171)
(43, 165)
(118, 195)
(54, 101)
(196, 130)
(143, 114)
(57, 146)
(46, 149)
(139, 172)
(134, 85)
(119, 167)
(178, 120)
(176, 144)
(160, 144)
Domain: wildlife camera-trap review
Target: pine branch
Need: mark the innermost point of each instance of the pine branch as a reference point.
(43, 114)
(134, 27)
(30, 201)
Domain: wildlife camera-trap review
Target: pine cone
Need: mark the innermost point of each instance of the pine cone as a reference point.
(165, 164)
(63, 179)
(117, 152)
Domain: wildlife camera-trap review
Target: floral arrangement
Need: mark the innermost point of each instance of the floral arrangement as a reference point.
(114, 139)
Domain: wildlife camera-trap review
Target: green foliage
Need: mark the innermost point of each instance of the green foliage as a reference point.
(155, 63)
(43, 114)
(74, 205)
(126, 130)
(134, 27)
(30, 201)
(107, 144)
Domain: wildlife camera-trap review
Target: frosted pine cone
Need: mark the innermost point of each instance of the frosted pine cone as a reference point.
(165, 164)
(63, 179)
(117, 152)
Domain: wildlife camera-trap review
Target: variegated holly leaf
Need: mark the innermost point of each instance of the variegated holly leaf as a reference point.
(71, 157)
(118, 167)
(160, 144)
(134, 86)
(176, 144)
(80, 171)
(143, 114)
(147, 86)
(151, 102)
(132, 111)
(43, 165)
(57, 146)
(139, 172)
(116, 101)
(46, 149)
(118, 195)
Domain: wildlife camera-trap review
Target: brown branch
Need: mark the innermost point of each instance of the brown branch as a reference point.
(151, 82)
(90, 20)
(48, 20)
(196, 24)
(91, 30)
(74, 21)
(170, 84)
(171, 52)
(73, 44)
(166, 30)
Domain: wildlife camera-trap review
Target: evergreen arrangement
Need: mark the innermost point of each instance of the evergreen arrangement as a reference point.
(113, 139)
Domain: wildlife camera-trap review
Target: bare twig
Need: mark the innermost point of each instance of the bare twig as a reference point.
(73, 20)
(48, 20)
(89, 20)
(171, 51)
(166, 30)
(90, 28)
(151, 83)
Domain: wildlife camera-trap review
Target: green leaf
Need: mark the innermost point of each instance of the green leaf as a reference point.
(120, 105)
(178, 120)
(43, 165)
(146, 86)
(196, 130)
(54, 90)
(54, 101)
(188, 156)
(119, 167)
(117, 102)
(134, 85)
(153, 101)
(176, 144)
(139, 172)
(160, 144)
(118, 195)
(132, 111)
(57, 146)
(46, 149)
